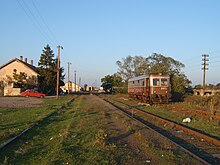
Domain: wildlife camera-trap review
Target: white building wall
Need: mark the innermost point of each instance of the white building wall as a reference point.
(72, 87)
(20, 67)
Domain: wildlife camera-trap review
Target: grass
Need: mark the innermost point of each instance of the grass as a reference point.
(79, 134)
(15, 120)
(205, 125)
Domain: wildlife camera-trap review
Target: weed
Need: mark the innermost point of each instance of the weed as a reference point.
(101, 138)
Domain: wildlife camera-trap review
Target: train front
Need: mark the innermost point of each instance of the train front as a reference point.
(160, 88)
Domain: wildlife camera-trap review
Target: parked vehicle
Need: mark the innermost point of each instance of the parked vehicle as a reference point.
(32, 93)
(151, 88)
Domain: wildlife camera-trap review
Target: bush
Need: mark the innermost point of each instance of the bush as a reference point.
(212, 102)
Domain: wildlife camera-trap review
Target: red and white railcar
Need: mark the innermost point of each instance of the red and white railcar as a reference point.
(152, 88)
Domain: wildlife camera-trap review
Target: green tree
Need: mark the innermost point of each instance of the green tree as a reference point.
(156, 63)
(107, 83)
(47, 60)
(166, 65)
(21, 80)
(48, 72)
(113, 84)
(132, 66)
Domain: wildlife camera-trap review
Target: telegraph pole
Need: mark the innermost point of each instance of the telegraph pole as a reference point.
(75, 80)
(79, 82)
(69, 77)
(204, 70)
(58, 71)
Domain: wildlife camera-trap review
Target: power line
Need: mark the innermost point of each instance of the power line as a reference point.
(43, 20)
(213, 52)
(37, 21)
(215, 62)
(35, 25)
(34, 20)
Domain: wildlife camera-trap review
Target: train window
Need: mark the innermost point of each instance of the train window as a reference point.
(156, 81)
(143, 83)
(164, 82)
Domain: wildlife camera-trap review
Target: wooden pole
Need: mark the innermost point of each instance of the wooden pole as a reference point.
(204, 71)
(58, 71)
(69, 77)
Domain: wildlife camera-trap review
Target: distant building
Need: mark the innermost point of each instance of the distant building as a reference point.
(73, 87)
(91, 88)
(18, 65)
(206, 92)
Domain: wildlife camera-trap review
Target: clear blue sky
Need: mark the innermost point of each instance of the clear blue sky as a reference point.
(97, 33)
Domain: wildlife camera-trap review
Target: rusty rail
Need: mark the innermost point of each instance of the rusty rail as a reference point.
(178, 126)
(207, 159)
(194, 112)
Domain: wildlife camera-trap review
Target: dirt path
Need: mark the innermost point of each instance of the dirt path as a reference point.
(134, 139)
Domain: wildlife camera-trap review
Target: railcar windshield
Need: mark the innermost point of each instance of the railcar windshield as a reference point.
(156, 82)
(160, 82)
(164, 82)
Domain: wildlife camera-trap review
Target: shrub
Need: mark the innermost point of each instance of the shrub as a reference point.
(212, 102)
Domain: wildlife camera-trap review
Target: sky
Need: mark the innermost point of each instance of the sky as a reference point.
(97, 33)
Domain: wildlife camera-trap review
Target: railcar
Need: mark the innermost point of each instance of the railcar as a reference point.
(151, 88)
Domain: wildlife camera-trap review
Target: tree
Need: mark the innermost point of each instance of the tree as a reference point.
(132, 66)
(156, 63)
(47, 58)
(107, 83)
(48, 72)
(21, 80)
(113, 84)
(166, 65)
(218, 86)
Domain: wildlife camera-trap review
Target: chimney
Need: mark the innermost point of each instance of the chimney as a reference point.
(21, 58)
(25, 60)
(31, 63)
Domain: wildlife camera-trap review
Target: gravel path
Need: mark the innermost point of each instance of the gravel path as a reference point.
(20, 102)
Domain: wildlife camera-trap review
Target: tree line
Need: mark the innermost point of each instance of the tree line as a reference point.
(138, 65)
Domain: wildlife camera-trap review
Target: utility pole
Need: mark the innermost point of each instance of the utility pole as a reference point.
(69, 77)
(79, 82)
(75, 80)
(58, 71)
(204, 70)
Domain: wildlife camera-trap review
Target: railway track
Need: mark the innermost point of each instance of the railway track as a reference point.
(200, 146)
(193, 112)
(25, 132)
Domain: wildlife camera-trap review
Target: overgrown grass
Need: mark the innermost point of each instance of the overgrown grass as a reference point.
(205, 125)
(15, 120)
(210, 103)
